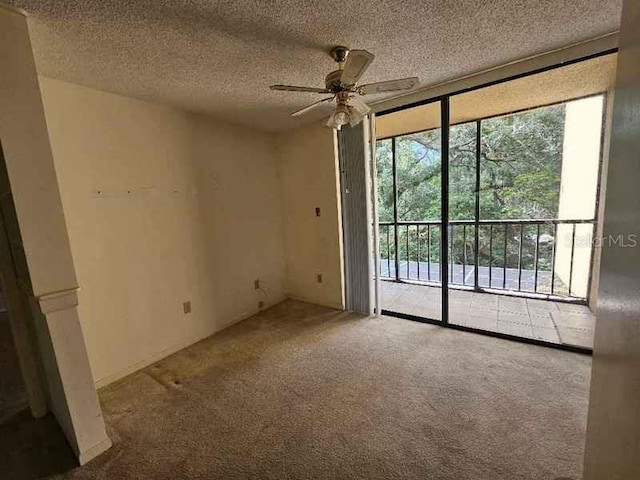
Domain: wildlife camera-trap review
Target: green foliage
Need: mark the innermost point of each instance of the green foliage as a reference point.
(520, 168)
(521, 163)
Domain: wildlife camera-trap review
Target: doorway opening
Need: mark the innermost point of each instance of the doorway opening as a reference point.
(14, 335)
(13, 395)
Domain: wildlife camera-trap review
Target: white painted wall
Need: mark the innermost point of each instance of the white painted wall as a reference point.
(309, 176)
(162, 207)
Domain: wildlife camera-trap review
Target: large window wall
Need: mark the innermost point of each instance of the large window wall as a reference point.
(506, 202)
(503, 201)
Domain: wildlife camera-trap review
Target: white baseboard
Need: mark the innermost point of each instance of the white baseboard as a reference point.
(300, 298)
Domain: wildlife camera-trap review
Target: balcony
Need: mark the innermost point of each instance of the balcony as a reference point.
(505, 201)
(540, 258)
(523, 278)
(554, 322)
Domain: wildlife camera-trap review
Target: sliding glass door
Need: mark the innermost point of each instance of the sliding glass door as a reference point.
(409, 171)
(523, 191)
(488, 224)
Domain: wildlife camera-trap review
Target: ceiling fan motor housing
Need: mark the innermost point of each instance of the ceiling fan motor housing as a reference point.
(333, 81)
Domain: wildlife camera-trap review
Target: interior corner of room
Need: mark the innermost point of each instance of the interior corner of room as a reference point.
(191, 263)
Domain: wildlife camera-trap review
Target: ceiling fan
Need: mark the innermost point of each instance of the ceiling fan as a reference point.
(341, 84)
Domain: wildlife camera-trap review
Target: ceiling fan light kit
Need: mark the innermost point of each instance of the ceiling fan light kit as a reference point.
(342, 84)
(339, 117)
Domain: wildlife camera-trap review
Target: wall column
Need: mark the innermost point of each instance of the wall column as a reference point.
(40, 245)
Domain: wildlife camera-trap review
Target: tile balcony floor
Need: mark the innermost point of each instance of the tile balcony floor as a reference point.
(554, 322)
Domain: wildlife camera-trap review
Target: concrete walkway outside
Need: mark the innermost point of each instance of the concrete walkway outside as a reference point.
(524, 280)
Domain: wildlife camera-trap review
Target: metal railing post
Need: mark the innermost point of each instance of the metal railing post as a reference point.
(395, 209)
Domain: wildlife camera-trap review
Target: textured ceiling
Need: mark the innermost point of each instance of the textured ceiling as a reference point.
(219, 57)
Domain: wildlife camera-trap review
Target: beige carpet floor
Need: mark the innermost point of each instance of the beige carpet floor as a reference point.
(305, 392)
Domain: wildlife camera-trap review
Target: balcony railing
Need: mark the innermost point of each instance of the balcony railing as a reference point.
(527, 256)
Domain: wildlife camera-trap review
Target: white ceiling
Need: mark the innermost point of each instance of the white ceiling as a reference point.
(219, 57)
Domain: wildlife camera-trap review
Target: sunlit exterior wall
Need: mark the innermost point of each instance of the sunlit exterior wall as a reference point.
(578, 191)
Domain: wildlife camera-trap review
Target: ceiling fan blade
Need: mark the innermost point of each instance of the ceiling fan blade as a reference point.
(311, 107)
(389, 86)
(357, 62)
(357, 110)
(293, 88)
(358, 105)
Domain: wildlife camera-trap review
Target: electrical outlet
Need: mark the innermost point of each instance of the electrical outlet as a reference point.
(256, 284)
(319, 278)
(186, 307)
(260, 305)
(317, 211)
